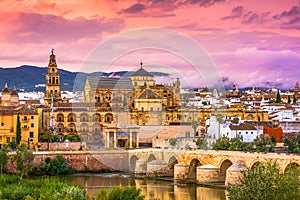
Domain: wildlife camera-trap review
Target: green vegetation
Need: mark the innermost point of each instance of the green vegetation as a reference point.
(289, 99)
(201, 143)
(23, 160)
(120, 193)
(278, 97)
(52, 167)
(173, 142)
(292, 141)
(221, 144)
(74, 138)
(262, 143)
(53, 188)
(265, 182)
(18, 131)
(3, 159)
(43, 189)
(294, 99)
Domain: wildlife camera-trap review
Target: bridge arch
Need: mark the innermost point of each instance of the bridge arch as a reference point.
(256, 164)
(151, 158)
(132, 163)
(224, 165)
(290, 166)
(193, 168)
(172, 162)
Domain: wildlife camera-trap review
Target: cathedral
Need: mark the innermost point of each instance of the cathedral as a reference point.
(113, 109)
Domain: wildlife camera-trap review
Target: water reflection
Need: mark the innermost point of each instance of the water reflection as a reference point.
(163, 190)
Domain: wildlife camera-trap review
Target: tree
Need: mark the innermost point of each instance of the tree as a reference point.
(237, 144)
(221, 144)
(173, 142)
(278, 97)
(3, 159)
(294, 99)
(19, 131)
(289, 99)
(201, 143)
(292, 141)
(235, 120)
(263, 143)
(48, 136)
(266, 182)
(24, 160)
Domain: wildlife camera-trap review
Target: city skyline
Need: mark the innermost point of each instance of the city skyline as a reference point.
(250, 44)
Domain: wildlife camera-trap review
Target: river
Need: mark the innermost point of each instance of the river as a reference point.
(152, 189)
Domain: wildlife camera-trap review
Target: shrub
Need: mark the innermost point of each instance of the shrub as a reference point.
(267, 183)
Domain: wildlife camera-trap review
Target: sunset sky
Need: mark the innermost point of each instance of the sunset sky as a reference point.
(251, 42)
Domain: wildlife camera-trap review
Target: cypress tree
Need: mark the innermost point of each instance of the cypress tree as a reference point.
(278, 97)
(289, 99)
(18, 133)
(294, 99)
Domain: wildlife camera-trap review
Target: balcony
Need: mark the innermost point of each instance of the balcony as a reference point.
(25, 120)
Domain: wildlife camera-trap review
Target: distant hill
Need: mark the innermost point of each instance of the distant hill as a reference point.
(26, 77)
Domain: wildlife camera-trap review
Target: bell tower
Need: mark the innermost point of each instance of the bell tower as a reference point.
(52, 82)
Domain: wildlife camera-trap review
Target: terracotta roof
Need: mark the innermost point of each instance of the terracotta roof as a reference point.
(243, 126)
(17, 110)
(148, 94)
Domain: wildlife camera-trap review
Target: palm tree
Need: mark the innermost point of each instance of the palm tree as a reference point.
(47, 136)
(235, 120)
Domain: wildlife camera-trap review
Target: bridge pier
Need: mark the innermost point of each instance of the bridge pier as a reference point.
(235, 173)
(157, 168)
(141, 167)
(208, 174)
(181, 171)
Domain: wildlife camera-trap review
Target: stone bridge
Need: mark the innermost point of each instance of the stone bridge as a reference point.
(188, 162)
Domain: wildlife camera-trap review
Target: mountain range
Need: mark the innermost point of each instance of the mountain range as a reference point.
(29, 78)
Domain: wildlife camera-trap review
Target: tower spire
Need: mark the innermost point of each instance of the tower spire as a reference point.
(52, 51)
(141, 64)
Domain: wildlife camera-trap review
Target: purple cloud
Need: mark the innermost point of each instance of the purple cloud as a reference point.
(236, 12)
(205, 3)
(47, 27)
(135, 8)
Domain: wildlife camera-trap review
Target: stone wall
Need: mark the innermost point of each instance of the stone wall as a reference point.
(94, 161)
(60, 146)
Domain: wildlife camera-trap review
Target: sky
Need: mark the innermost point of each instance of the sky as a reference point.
(250, 42)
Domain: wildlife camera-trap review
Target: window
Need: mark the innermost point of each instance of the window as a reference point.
(25, 117)
(251, 132)
(151, 109)
(142, 109)
(246, 132)
(13, 139)
(2, 124)
(32, 117)
(240, 133)
(31, 134)
(8, 140)
(32, 125)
